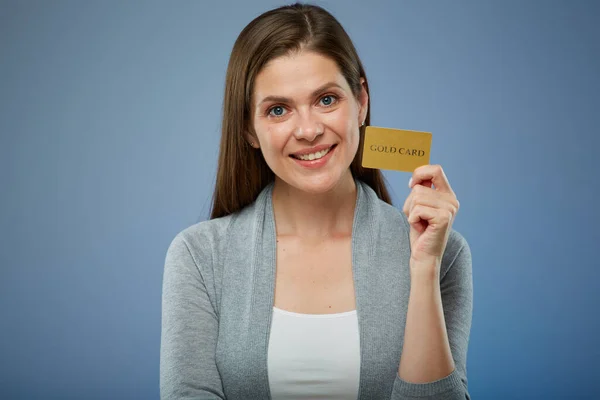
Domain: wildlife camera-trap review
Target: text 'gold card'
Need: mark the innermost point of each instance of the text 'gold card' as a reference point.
(396, 149)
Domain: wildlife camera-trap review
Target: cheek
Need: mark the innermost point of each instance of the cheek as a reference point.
(343, 122)
(273, 138)
(352, 134)
(351, 130)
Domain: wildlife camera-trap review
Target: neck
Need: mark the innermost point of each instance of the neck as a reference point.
(315, 216)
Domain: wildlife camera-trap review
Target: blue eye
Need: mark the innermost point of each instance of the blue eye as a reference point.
(276, 111)
(327, 100)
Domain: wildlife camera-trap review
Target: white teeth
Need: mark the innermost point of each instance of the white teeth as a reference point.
(313, 156)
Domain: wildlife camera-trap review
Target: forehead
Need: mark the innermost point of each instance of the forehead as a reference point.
(296, 75)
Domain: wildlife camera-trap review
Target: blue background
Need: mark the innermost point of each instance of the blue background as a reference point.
(110, 117)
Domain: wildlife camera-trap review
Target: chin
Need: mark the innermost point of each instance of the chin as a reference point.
(317, 184)
(316, 188)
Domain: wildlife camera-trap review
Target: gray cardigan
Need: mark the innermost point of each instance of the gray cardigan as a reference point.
(217, 303)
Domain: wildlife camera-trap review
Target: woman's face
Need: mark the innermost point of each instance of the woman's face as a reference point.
(307, 120)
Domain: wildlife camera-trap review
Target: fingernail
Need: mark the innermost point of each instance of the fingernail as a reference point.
(410, 182)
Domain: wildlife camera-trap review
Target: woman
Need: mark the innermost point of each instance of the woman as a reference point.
(306, 283)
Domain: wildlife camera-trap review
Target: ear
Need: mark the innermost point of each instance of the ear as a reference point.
(363, 100)
(251, 139)
(249, 133)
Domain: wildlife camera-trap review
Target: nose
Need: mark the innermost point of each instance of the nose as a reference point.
(308, 127)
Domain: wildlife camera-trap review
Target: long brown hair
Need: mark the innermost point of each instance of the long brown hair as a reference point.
(242, 172)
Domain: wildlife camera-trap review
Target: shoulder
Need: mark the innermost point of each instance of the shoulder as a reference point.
(196, 247)
(206, 235)
(207, 241)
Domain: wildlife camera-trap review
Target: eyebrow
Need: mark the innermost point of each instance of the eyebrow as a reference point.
(279, 99)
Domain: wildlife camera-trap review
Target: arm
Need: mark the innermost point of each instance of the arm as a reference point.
(189, 330)
(426, 355)
(438, 325)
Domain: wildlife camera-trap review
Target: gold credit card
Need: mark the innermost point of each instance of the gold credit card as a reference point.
(397, 149)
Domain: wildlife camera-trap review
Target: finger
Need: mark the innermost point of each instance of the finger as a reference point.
(433, 173)
(419, 189)
(427, 183)
(407, 203)
(432, 198)
(419, 213)
(431, 215)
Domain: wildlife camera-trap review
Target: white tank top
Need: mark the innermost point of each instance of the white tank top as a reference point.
(314, 356)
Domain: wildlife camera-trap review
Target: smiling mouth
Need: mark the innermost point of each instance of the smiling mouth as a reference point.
(313, 156)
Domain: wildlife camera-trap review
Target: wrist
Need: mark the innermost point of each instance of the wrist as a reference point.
(425, 270)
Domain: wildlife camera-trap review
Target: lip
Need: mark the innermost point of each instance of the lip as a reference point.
(312, 150)
(316, 163)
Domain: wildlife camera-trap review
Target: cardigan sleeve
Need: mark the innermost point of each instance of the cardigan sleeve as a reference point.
(189, 330)
(456, 286)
